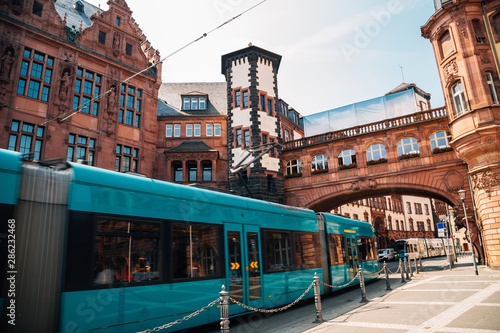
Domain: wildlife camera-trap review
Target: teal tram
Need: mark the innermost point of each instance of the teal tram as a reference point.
(95, 250)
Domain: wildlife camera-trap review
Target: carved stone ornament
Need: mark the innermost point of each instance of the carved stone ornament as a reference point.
(485, 181)
(450, 71)
(453, 181)
(462, 27)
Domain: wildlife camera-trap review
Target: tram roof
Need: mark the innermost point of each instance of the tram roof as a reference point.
(10, 175)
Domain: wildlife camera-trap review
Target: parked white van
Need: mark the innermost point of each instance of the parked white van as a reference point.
(385, 254)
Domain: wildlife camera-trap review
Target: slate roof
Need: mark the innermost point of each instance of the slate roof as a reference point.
(74, 17)
(170, 96)
(191, 147)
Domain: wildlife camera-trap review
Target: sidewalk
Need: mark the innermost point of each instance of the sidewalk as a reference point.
(436, 300)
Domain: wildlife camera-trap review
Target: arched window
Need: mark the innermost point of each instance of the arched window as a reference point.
(347, 157)
(458, 97)
(491, 85)
(319, 162)
(375, 152)
(293, 167)
(408, 146)
(446, 44)
(440, 139)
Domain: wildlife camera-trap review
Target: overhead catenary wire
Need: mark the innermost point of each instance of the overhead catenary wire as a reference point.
(69, 114)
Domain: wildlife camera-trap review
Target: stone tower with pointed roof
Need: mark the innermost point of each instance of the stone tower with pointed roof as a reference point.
(253, 123)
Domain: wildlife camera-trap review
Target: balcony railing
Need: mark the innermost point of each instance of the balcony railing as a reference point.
(419, 117)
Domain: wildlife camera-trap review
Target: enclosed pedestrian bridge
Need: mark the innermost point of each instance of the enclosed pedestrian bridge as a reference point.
(408, 154)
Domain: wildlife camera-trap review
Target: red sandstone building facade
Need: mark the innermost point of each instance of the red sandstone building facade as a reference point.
(63, 93)
(465, 36)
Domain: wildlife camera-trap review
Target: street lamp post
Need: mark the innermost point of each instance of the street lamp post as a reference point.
(461, 195)
(450, 227)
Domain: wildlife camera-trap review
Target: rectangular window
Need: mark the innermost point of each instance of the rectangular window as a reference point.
(418, 208)
(262, 102)
(203, 103)
(35, 75)
(269, 107)
(128, 49)
(186, 105)
(217, 129)
(207, 171)
(87, 91)
(118, 21)
(26, 138)
(177, 172)
(127, 159)
(247, 138)
(37, 8)
(238, 138)
(286, 251)
(210, 130)
(194, 103)
(196, 251)
(127, 252)
(245, 99)
(426, 207)
(337, 250)
(189, 130)
(130, 105)
(367, 249)
(84, 148)
(197, 129)
(168, 130)
(408, 206)
(177, 130)
(237, 98)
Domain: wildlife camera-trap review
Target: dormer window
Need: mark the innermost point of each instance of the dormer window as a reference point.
(79, 6)
(194, 102)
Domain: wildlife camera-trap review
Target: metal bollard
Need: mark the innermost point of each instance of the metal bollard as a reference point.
(416, 266)
(409, 266)
(362, 285)
(224, 310)
(387, 284)
(405, 262)
(402, 267)
(317, 300)
(420, 260)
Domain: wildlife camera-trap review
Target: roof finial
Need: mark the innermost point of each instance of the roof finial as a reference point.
(250, 44)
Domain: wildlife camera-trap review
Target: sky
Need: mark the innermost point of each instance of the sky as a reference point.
(334, 52)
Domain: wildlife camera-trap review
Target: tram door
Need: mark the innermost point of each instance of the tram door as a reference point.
(352, 256)
(243, 264)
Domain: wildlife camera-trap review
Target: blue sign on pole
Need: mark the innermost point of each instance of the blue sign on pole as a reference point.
(440, 225)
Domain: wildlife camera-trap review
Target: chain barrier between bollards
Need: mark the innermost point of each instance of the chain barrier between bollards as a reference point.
(317, 300)
(387, 283)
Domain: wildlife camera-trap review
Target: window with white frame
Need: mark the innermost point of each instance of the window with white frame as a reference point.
(458, 97)
(168, 130)
(294, 167)
(491, 85)
(319, 162)
(440, 139)
(408, 146)
(177, 130)
(347, 157)
(217, 129)
(197, 129)
(194, 103)
(210, 129)
(189, 129)
(376, 152)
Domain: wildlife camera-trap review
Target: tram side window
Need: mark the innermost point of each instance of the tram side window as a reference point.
(196, 251)
(307, 250)
(286, 251)
(337, 250)
(127, 251)
(367, 248)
